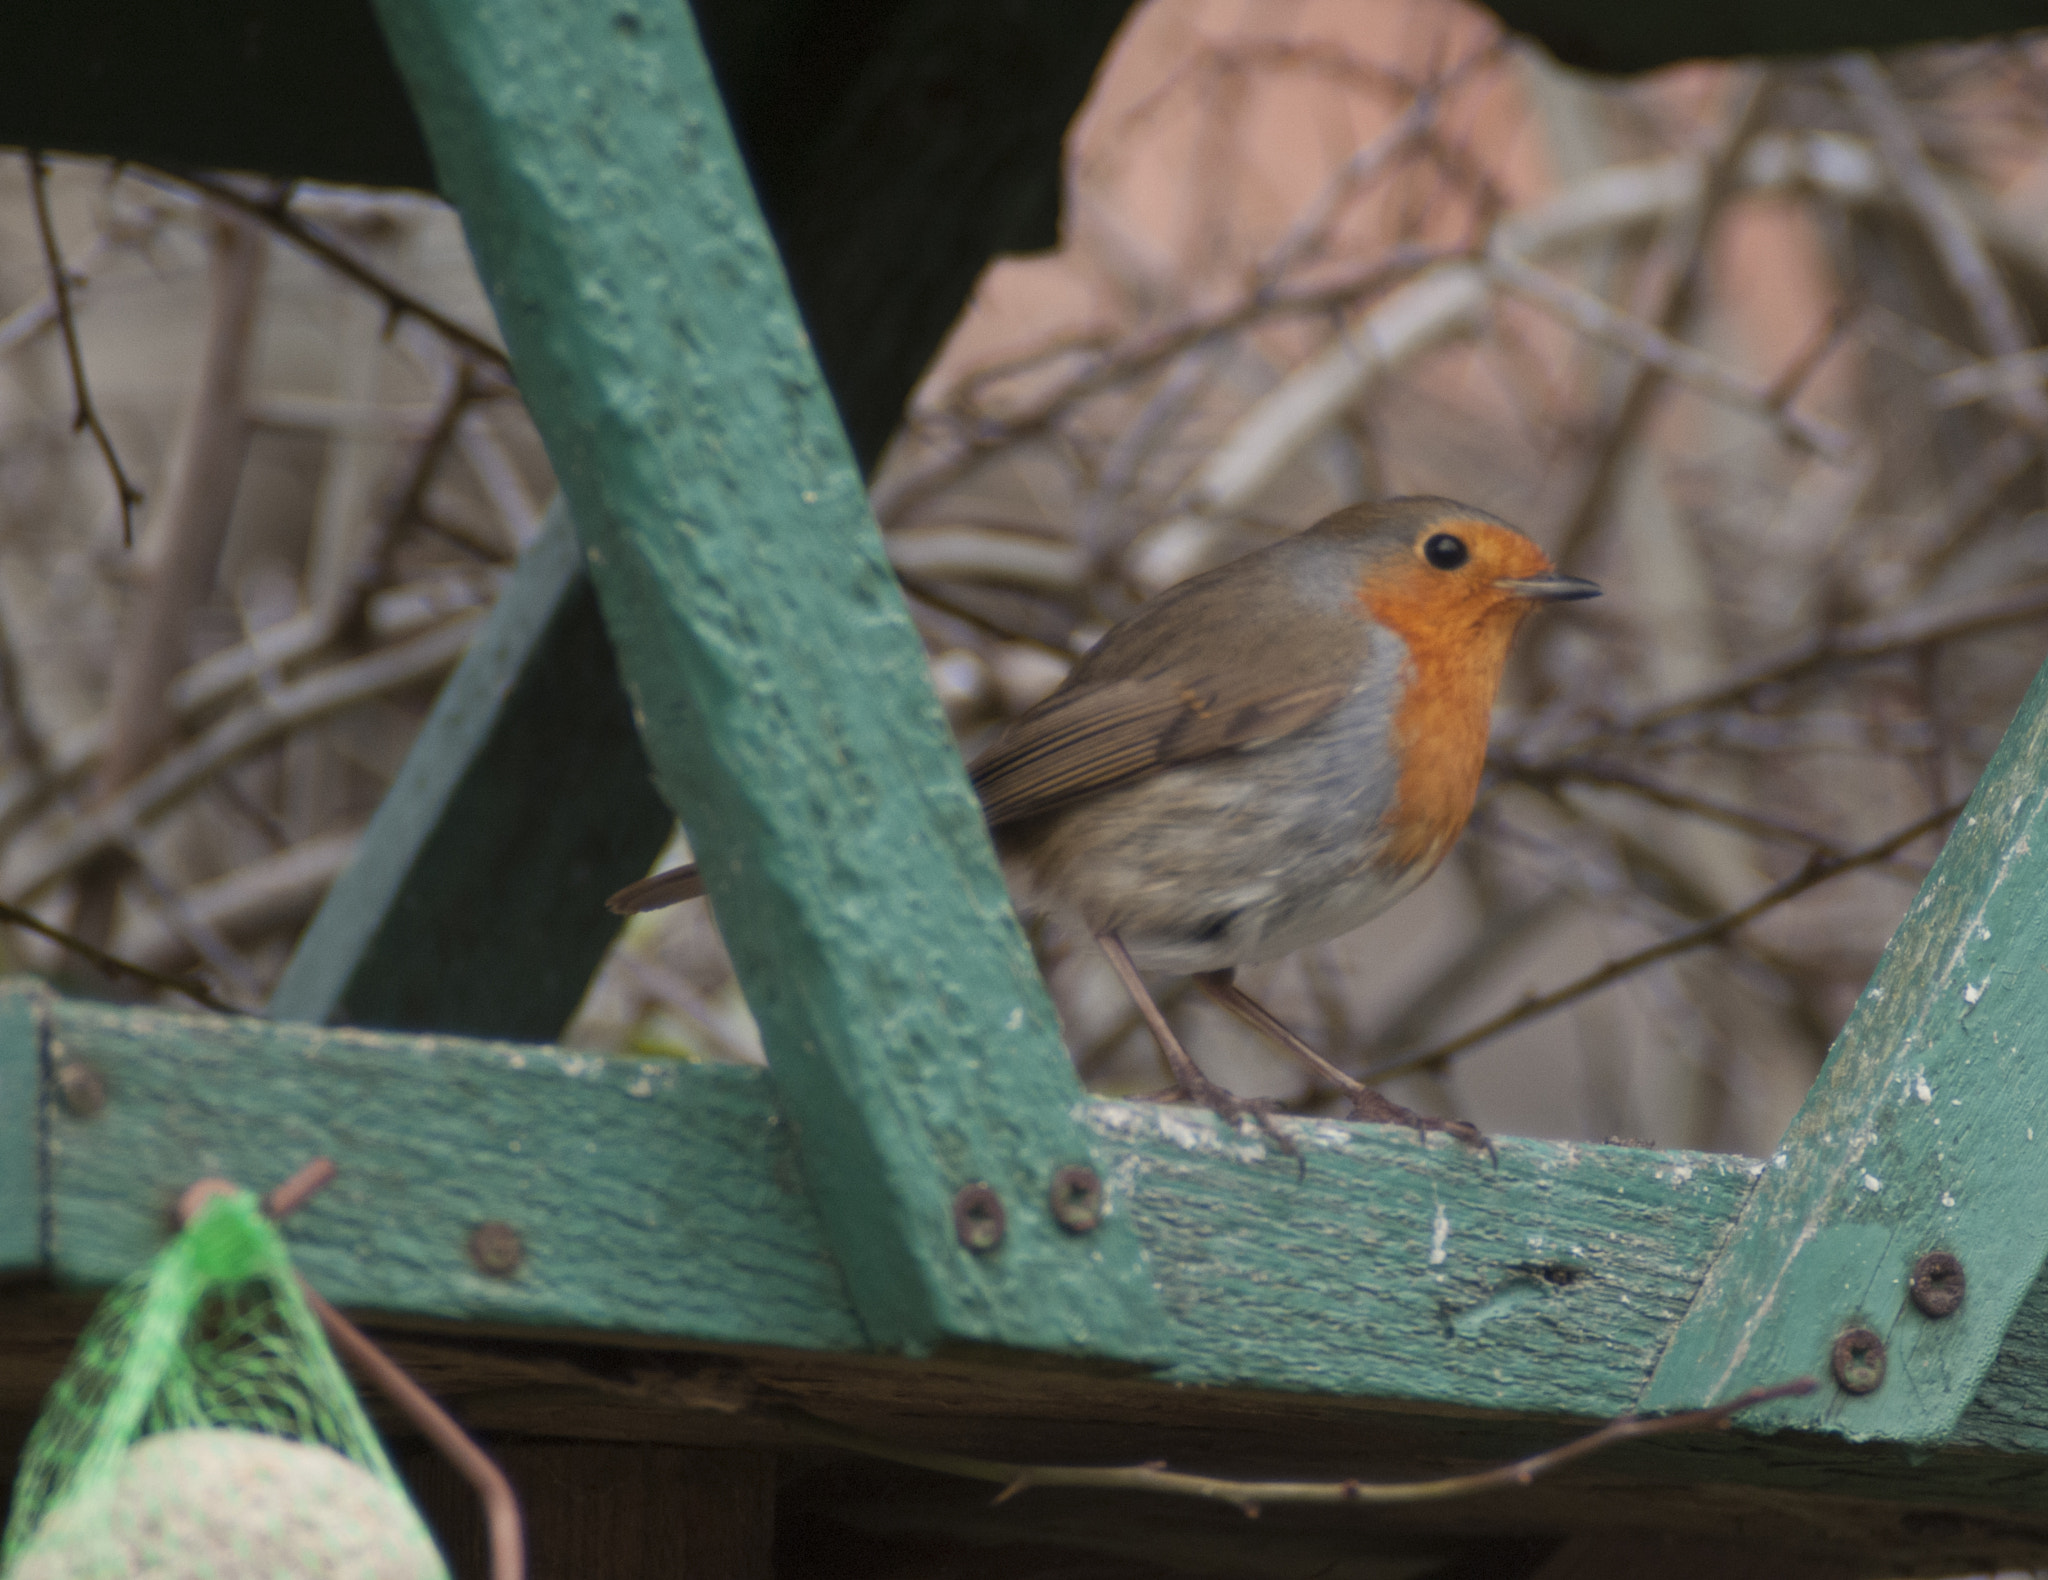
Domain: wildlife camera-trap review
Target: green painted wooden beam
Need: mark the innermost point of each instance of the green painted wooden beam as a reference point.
(895, 154)
(413, 934)
(21, 1170)
(663, 1200)
(1927, 1131)
(777, 680)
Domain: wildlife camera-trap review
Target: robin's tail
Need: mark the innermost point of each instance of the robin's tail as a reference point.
(664, 888)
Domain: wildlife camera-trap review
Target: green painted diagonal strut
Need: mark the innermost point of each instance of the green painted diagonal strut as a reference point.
(778, 683)
(1927, 1132)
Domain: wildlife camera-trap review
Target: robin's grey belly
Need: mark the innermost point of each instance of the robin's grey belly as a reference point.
(1232, 860)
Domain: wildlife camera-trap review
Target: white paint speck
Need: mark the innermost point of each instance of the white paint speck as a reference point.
(1872, 1184)
(642, 1087)
(1972, 994)
(1947, 1200)
(1984, 933)
(1439, 1236)
(1681, 1174)
(1016, 1019)
(1921, 1089)
(1779, 1160)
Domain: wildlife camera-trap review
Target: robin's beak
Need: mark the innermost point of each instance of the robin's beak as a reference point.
(1550, 587)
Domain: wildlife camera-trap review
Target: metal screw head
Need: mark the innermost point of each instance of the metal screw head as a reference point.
(1858, 1361)
(80, 1088)
(978, 1217)
(495, 1249)
(1077, 1199)
(1938, 1284)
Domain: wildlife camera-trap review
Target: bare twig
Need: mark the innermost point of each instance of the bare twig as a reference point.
(1948, 228)
(1819, 868)
(1860, 644)
(113, 965)
(1614, 776)
(1588, 314)
(190, 524)
(36, 863)
(1684, 253)
(316, 243)
(85, 415)
(1252, 1496)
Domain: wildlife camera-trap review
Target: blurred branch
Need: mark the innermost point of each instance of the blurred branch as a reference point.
(1588, 314)
(1948, 229)
(85, 414)
(190, 524)
(311, 240)
(1681, 255)
(38, 860)
(1613, 776)
(113, 965)
(1819, 868)
(1858, 644)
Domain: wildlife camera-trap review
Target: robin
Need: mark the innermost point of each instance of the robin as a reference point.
(1262, 758)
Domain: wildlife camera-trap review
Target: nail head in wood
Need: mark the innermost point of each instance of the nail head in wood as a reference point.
(1859, 1361)
(80, 1088)
(1938, 1284)
(978, 1217)
(496, 1250)
(1077, 1198)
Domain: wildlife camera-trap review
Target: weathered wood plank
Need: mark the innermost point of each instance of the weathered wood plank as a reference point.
(640, 1197)
(776, 677)
(664, 1200)
(415, 933)
(1926, 1131)
(21, 1162)
(1395, 1270)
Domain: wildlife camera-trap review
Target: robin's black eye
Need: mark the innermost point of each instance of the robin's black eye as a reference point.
(1446, 552)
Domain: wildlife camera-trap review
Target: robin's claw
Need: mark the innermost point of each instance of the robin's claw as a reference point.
(1233, 1110)
(1369, 1107)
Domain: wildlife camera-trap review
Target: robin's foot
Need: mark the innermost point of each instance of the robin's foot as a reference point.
(1366, 1104)
(1189, 1083)
(1369, 1107)
(1192, 1086)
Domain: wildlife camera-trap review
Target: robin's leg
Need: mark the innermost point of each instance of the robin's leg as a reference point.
(1366, 1104)
(1195, 1087)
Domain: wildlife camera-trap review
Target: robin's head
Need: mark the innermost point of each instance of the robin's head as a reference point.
(1433, 569)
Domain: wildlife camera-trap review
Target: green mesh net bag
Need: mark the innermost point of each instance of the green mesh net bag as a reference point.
(204, 1431)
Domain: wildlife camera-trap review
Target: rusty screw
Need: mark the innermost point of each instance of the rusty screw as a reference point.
(1077, 1198)
(495, 1249)
(1859, 1361)
(1938, 1284)
(80, 1088)
(978, 1218)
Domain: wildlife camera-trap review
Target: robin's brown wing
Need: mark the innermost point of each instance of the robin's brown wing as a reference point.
(1243, 655)
(1090, 738)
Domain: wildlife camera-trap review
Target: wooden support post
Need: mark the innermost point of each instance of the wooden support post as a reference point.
(1926, 1136)
(774, 672)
